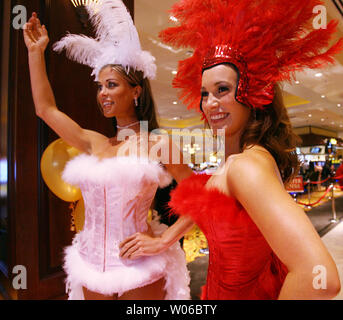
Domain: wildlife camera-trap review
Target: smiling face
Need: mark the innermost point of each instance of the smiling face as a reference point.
(218, 100)
(115, 95)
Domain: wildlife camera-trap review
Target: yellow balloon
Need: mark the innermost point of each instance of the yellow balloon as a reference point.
(53, 161)
(79, 215)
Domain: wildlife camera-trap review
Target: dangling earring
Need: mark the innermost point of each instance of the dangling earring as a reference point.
(136, 103)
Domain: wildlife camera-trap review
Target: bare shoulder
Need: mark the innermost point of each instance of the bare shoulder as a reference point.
(95, 136)
(251, 160)
(97, 140)
(251, 166)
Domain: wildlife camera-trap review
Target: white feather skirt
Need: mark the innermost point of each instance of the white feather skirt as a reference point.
(170, 264)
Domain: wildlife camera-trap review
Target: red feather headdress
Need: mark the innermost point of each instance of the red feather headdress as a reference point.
(266, 40)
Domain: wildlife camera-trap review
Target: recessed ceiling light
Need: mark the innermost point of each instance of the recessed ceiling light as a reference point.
(318, 75)
(323, 96)
(338, 105)
(174, 72)
(297, 82)
(322, 119)
(174, 102)
(172, 18)
(310, 115)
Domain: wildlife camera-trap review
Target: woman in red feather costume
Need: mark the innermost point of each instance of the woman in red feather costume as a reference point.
(261, 243)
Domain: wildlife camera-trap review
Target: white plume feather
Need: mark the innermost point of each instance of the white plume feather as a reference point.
(81, 49)
(113, 22)
(117, 41)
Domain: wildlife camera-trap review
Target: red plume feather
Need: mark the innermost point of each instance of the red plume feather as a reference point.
(274, 38)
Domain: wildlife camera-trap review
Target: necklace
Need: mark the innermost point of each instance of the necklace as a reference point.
(128, 126)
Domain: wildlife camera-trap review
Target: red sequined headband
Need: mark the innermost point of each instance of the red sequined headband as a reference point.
(226, 54)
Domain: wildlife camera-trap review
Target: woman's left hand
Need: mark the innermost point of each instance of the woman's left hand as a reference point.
(139, 245)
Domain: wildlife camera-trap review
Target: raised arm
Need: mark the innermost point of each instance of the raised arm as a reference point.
(36, 40)
(254, 183)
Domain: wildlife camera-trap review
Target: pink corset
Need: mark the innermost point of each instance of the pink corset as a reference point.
(118, 193)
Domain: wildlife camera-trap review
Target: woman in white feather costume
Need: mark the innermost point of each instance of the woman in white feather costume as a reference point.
(118, 188)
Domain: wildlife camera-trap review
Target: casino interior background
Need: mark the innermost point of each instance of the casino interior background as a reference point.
(35, 224)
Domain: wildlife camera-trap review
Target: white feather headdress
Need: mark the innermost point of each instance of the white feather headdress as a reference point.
(116, 42)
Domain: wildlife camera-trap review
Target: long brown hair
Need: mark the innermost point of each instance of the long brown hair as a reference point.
(146, 106)
(271, 129)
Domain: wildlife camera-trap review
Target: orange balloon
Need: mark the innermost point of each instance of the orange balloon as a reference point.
(53, 161)
(79, 215)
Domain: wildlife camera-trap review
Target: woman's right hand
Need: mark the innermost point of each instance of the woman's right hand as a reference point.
(35, 35)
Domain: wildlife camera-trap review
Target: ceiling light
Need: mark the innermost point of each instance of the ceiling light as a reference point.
(79, 3)
(174, 72)
(323, 96)
(172, 18)
(310, 115)
(80, 7)
(162, 45)
(174, 102)
(318, 75)
(297, 82)
(338, 105)
(322, 119)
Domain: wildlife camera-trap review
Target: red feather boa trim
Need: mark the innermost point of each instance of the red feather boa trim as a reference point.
(191, 198)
